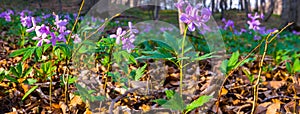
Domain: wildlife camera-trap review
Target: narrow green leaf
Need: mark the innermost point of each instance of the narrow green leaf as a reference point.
(296, 65)
(29, 91)
(233, 59)
(28, 54)
(11, 78)
(28, 72)
(223, 67)
(197, 103)
(38, 52)
(160, 101)
(289, 67)
(46, 46)
(18, 52)
(169, 93)
(139, 72)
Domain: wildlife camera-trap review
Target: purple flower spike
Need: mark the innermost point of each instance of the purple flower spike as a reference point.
(253, 22)
(76, 38)
(180, 4)
(127, 43)
(192, 18)
(132, 29)
(26, 21)
(120, 33)
(33, 25)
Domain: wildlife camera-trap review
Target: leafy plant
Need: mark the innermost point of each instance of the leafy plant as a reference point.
(175, 102)
(86, 95)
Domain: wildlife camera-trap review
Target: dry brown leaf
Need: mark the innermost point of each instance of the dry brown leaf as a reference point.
(87, 111)
(76, 101)
(276, 84)
(63, 107)
(224, 91)
(273, 108)
(145, 108)
(261, 108)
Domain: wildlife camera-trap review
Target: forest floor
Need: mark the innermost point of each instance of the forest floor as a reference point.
(275, 93)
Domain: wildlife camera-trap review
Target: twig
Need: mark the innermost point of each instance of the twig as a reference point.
(232, 71)
(255, 90)
(76, 21)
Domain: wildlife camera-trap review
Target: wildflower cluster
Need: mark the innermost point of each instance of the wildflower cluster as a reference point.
(254, 22)
(126, 38)
(192, 17)
(7, 15)
(43, 32)
(228, 23)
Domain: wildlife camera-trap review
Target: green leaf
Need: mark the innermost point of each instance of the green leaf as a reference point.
(30, 81)
(19, 69)
(175, 103)
(296, 65)
(139, 72)
(233, 60)
(169, 93)
(127, 55)
(28, 54)
(223, 67)
(11, 78)
(66, 50)
(28, 72)
(18, 52)
(197, 103)
(46, 46)
(172, 42)
(289, 67)
(160, 101)
(206, 56)
(29, 91)
(38, 52)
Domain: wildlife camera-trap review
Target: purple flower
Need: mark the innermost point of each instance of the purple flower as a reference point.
(60, 24)
(38, 19)
(53, 38)
(243, 30)
(33, 25)
(256, 37)
(120, 33)
(180, 4)
(132, 29)
(192, 18)
(26, 21)
(76, 38)
(26, 12)
(41, 34)
(229, 23)
(46, 16)
(7, 15)
(127, 43)
(295, 32)
(253, 22)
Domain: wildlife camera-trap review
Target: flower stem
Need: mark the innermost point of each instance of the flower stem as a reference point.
(181, 61)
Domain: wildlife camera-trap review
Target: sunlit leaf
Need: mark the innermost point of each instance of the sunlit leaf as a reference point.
(29, 91)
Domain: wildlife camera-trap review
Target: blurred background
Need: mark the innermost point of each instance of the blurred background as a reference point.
(277, 13)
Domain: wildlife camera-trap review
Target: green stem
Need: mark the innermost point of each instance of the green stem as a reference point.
(181, 61)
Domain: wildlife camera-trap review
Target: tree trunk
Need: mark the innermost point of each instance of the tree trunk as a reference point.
(246, 7)
(241, 5)
(289, 12)
(256, 5)
(230, 3)
(212, 6)
(156, 10)
(223, 7)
